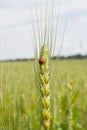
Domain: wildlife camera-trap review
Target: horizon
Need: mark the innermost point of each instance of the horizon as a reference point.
(75, 56)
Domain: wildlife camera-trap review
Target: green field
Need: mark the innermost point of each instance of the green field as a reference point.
(19, 108)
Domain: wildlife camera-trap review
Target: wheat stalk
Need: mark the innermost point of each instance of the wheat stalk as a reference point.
(44, 48)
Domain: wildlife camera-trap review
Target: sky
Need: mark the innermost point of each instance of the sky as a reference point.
(18, 16)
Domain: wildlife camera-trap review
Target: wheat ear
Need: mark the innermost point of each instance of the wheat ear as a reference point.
(44, 83)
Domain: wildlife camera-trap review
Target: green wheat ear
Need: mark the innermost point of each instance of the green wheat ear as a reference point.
(44, 83)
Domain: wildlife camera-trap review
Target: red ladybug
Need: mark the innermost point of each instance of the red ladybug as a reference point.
(41, 61)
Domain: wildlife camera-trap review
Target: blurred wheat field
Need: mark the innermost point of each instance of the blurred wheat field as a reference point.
(19, 102)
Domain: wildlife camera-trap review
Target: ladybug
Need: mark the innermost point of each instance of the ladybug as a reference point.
(41, 61)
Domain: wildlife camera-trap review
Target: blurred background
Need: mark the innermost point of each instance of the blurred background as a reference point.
(18, 16)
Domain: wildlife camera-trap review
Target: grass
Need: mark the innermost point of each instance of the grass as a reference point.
(19, 100)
